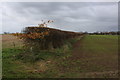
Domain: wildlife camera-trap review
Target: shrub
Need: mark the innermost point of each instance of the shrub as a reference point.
(43, 38)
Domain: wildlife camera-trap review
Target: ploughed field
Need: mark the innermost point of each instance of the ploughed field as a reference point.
(89, 56)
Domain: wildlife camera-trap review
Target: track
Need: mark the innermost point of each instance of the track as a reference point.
(97, 56)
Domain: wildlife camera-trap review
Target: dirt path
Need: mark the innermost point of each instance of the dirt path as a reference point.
(77, 51)
(92, 64)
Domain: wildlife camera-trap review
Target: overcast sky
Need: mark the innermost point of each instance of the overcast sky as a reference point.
(71, 16)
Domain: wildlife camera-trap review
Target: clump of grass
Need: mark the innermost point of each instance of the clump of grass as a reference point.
(33, 56)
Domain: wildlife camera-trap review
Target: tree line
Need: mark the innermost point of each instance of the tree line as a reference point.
(106, 33)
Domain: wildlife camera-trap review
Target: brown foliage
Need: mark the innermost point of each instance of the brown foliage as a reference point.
(37, 38)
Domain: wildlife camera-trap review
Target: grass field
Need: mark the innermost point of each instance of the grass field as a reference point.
(89, 57)
(8, 41)
(100, 52)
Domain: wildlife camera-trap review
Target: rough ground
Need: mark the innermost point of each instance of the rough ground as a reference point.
(94, 56)
(98, 55)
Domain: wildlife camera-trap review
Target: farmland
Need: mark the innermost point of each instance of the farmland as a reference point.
(90, 56)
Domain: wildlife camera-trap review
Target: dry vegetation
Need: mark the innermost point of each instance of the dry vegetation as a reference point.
(45, 38)
(11, 41)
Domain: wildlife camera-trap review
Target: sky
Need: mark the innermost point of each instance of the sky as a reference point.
(69, 16)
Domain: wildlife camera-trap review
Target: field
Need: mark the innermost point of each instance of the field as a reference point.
(91, 56)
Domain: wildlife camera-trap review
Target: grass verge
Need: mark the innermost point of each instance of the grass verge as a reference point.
(34, 65)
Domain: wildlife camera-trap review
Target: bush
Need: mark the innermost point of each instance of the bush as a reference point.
(43, 38)
(37, 39)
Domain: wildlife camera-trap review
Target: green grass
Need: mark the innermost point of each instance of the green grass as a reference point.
(16, 68)
(98, 53)
(33, 65)
(101, 44)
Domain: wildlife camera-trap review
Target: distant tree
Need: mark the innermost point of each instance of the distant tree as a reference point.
(86, 32)
(6, 32)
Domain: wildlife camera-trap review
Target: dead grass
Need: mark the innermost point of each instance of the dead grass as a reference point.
(10, 41)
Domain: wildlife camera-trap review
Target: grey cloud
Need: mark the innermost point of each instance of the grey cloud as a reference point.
(73, 16)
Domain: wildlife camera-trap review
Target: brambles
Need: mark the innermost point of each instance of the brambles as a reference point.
(33, 35)
(43, 38)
